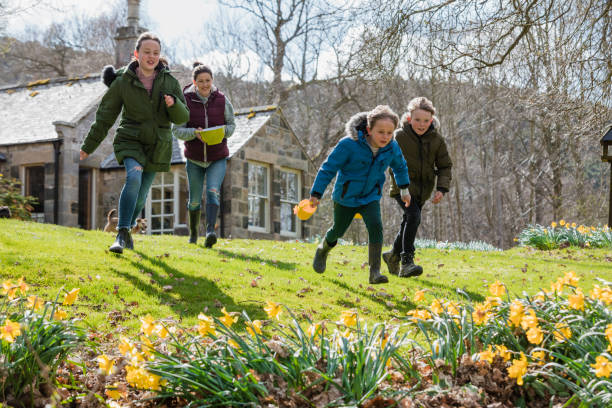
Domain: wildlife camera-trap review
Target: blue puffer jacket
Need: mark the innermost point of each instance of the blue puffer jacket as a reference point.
(360, 175)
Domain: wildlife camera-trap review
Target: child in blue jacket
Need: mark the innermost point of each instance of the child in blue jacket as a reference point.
(360, 160)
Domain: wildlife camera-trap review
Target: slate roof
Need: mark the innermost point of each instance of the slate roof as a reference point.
(246, 127)
(28, 111)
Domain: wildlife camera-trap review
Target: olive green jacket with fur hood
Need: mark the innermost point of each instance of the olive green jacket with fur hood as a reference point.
(144, 131)
(427, 157)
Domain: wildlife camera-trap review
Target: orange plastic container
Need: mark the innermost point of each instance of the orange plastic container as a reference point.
(304, 210)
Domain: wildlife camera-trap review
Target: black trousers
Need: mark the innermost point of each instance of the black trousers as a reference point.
(404, 241)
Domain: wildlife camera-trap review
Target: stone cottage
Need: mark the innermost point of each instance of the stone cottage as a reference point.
(43, 123)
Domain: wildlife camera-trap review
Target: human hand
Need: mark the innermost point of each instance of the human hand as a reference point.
(198, 134)
(169, 100)
(83, 155)
(406, 199)
(314, 201)
(437, 197)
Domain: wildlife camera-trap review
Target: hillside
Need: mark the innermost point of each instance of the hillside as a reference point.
(167, 278)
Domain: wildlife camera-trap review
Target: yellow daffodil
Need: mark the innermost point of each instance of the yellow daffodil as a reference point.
(419, 314)
(348, 318)
(491, 302)
(576, 301)
(138, 377)
(147, 347)
(147, 324)
(273, 309)
(452, 308)
(233, 343)
(535, 335)
(571, 279)
(562, 222)
(480, 315)
(497, 288)
(161, 331)
(539, 357)
(553, 224)
(602, 366)
(503, 352)
(125, 346)
(9, 289)
(608, 333)
(487, 355)
(34, 302)
(116, 391)
(518, 369)
(419, 295)
(562, 332)
(106, 364)
(206, 325)
(529, 320)
(516, 312)
(60, 314)
(557, 286)
(227, 319)
(254, 327)
(10, 331)
(573, 225)
(70, 297)
(604, 294)
(436, 307)
(314, 330)
(23, 287)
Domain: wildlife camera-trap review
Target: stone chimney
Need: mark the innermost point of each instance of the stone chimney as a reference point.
(126, 36)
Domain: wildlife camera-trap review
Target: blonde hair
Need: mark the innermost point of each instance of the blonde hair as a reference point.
(382, 112)
(421, 103)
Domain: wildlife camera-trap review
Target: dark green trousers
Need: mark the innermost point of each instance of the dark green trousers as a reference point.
(343, 216)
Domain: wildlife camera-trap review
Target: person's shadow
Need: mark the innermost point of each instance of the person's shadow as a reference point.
(289, 266)
(186, 295)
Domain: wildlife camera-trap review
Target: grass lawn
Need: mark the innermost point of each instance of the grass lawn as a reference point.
(168, 278)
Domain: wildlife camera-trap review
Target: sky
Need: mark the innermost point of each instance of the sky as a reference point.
(173, 20)
(170, 19)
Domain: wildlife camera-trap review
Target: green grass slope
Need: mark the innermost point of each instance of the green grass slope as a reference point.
(168, 278)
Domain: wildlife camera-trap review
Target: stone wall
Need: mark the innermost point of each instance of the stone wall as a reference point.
(275, 146)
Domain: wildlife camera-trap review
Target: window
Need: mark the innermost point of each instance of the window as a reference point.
(162, 204)
(35, 187)
(259, 200)
(289, 197)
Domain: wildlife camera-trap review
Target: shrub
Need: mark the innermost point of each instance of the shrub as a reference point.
(34, 341)
(563, 234)
(10, 196)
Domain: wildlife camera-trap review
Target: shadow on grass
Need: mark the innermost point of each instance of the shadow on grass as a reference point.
(195, 293)
(402, 306)
(474, 297)
(289, 266)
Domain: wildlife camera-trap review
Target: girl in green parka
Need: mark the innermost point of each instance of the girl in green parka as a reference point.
(148, 98)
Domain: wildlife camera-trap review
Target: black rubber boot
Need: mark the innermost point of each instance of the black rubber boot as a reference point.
(194, 225)
(129, 243)
(211, 218)
(122, 238)
(320, 259)
(374, 251)
(408, 268)
(393, 261)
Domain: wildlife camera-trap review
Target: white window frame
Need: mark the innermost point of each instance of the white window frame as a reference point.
(298, 224)
(266, 227)
(174, 177)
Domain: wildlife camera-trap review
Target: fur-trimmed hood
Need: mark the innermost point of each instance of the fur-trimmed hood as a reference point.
(109, 74)
(356, 124)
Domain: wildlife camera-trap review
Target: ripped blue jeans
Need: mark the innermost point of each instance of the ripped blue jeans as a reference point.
(134, 193)
(214, 174)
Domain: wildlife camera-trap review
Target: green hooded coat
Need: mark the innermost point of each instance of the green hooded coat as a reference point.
(427, 157)
(144, 131)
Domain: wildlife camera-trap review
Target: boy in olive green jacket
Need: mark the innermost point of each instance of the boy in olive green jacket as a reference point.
(429, 166)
